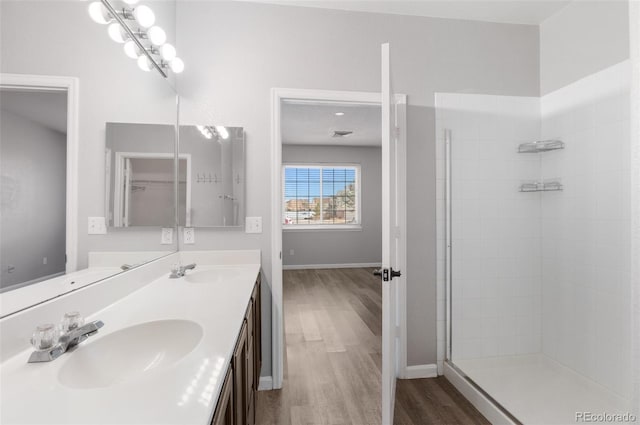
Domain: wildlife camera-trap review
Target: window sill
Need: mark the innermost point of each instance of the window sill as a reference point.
(322, 227)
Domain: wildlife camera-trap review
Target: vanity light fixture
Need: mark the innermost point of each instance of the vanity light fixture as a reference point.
(155, 52)
(156, 35)
(222, 132)
(339, 114)
(117, 33)
(205, 131)
(144, 16)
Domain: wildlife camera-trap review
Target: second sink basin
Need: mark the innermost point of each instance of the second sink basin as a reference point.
(129, 352)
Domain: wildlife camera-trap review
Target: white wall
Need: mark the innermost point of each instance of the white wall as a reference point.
(583, 38)
(339, 246)
(496, 287)
(586, 229)
(33, 164)
(59, 38)
(236, 52)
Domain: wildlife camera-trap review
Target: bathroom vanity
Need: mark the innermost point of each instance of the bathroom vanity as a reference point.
(178, 351)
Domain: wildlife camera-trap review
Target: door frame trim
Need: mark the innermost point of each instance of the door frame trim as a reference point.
(121, 156)
(278, 95)
(71, 85)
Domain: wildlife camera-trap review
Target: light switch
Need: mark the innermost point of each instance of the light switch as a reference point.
(97, 226)
(189, 235)
(253, 225)
(167, 236)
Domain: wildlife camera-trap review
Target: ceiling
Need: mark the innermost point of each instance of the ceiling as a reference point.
(313, 123)
(45, 108)
(531, 12)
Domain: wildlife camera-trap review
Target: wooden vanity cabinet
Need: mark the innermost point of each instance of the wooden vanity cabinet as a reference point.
(224, 414)
(237, 402)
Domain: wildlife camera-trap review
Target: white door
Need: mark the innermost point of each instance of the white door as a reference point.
(391, 248)
(127, 192)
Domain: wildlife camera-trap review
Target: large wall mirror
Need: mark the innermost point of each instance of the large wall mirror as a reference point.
(65, 89)
(212, 176)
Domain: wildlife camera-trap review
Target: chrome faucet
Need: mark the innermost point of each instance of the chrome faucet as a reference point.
(179, 271)
(66, 342)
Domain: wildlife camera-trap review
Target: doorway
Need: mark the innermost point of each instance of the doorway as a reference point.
(280, 97)
(39, 174)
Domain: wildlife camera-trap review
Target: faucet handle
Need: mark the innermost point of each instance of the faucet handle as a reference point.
(70, 321)
(45, 337)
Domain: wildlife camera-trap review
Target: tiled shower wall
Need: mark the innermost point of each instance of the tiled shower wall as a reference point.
(586, 229)
(496, 229)
(546, 272)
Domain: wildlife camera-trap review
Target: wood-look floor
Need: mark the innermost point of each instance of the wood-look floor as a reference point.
(332, 320)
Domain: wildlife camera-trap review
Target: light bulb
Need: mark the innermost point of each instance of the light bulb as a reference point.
(144, 63)
(144, 15)
(117, 34)
(131, 49)
(130, 2)
(177, 65)
(99, 13)
(168, 52)
(222, 132)
(156, 35)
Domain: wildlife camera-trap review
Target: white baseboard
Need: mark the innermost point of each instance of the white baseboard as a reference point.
(484, 405)
(421, 371)
(329, 266)
(266, 383)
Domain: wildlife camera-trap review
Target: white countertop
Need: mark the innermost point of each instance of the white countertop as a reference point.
(183, 393)
(18, 299)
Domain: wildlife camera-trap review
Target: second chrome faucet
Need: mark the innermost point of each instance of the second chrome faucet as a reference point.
(179, 271)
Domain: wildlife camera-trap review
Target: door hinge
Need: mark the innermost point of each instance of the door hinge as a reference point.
(396, 131)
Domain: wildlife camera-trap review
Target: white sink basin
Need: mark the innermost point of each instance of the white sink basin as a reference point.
(125, 354)
(213, 276)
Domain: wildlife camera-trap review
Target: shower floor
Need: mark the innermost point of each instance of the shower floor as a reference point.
(538, 390)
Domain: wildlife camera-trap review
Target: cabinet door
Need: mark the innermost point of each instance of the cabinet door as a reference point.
(224, 409)
(257, 330)
(240, 378)
(250, 363)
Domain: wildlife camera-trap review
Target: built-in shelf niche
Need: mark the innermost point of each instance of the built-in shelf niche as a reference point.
(541, 146)
(546, 186)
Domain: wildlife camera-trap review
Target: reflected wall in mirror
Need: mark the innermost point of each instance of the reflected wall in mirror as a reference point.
(56, 102)
(215, 185)
(139, 175)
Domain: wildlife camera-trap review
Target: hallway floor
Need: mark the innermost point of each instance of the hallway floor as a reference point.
(332, 359)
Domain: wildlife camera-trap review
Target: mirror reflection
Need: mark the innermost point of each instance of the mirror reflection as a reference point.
(55, 106)
(139, 174)
(215, 176)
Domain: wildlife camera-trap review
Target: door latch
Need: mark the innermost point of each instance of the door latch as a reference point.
(387, 274)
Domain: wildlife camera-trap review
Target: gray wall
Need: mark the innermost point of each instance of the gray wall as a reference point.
(59, 38)
(236, 52)
(583, 38)
(340, 246)
(33, 160)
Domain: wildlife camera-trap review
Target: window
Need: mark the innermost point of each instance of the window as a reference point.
(321, 196)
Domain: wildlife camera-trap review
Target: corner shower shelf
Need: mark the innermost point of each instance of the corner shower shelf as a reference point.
(541, 146)
(549, 186)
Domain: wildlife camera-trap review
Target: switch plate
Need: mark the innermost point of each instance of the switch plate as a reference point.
(167, 236)
(292, 252)
(97, 226)
(189, 235)
(253, 225)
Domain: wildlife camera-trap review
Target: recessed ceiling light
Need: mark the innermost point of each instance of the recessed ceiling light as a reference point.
(339, 114)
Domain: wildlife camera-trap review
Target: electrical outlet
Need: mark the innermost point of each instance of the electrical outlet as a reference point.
(189, 235)
(44, 260)
(97, 226)
(253, 225)
(167, 236)
(292, 252)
